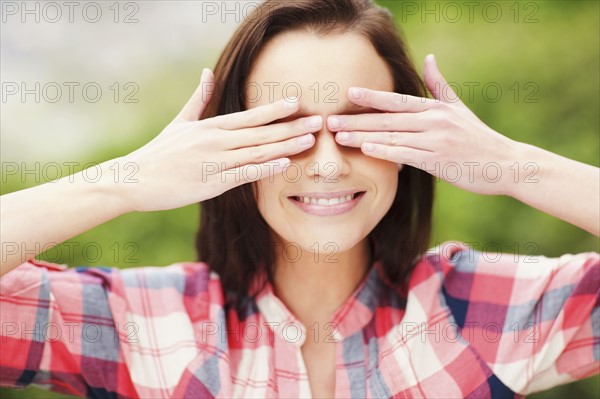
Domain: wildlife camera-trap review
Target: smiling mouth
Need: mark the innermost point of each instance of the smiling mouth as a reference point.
(332, 201)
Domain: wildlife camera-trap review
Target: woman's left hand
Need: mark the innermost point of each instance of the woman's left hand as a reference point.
(440, 136)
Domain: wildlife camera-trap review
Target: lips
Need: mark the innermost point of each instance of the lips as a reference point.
(325, 199)
(328, 210)
(328, 195)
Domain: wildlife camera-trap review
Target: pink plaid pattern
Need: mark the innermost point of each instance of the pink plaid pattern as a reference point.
(470, 325)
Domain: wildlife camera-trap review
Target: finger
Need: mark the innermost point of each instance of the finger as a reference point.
(193, 109)
(393, 139)
(264, 152)
(398, 155)
(388, 101)
(253, 172)
(271, 133)
(436, 83)
(258, 116)
(408, 122)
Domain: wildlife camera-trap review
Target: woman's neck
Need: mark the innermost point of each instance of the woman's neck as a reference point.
(313, 287)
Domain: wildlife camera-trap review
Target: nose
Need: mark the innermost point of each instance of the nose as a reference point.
(325, 159)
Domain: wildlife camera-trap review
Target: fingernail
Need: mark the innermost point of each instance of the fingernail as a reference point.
(369, 147)
(357, 92)
(334, 122)
(313, 121)
(343, 136)
(306, 139)
(433, 59)
(203, 75)
(290, 103)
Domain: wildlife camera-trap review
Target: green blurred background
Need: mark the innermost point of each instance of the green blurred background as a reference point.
(543, 55)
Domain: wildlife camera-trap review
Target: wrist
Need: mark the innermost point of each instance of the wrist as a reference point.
(525, 168)
(107, 184)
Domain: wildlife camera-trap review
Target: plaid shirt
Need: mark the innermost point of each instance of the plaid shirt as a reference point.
(472, 324)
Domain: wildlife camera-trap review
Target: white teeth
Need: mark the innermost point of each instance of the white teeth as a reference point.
(326, 202)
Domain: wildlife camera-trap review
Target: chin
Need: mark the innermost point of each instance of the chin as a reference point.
(322, 239)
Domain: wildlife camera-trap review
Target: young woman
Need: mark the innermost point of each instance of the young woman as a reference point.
(313, 281)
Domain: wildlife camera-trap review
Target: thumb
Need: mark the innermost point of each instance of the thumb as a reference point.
(436, 83)
(194, 108)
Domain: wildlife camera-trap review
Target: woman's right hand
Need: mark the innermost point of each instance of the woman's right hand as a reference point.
(193, 160)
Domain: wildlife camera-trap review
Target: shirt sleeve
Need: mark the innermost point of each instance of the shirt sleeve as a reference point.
(535, 320)
(58, 331)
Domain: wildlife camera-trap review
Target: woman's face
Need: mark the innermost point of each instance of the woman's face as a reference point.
(319, 70)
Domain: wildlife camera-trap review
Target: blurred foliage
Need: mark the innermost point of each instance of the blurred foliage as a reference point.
(558, 54)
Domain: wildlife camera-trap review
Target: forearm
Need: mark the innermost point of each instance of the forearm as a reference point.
(562, 187)
(40, 217)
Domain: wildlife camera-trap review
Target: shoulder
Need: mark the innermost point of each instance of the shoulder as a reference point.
(184, 276)
(460, 257)
(492, 282)
(188, 278)
(460, 269)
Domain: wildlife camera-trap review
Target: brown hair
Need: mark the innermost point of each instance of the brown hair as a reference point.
(233, 238)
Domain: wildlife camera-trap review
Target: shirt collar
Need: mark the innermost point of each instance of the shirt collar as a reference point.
(351, 316)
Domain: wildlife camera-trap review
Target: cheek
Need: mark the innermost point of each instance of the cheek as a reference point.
(268, 194)
(379, 171)
(385, 176)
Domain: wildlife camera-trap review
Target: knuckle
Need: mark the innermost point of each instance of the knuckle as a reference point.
(256, 153)
(222, 120)
(386, 152)
(386, 120)
(439, 105)
(447, 140)
(204, 123)
(393, 139)
(439, 119)
(251, 117)
(448, 122)
(368, 99)
(292, 144)
(451, 122)
(260, 133)
(296, 127)
(398, 98)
